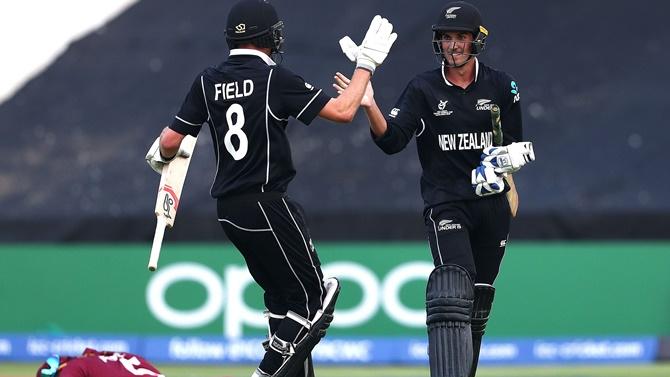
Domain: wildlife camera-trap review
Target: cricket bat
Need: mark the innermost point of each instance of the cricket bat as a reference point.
(167, 201)
(496, 124)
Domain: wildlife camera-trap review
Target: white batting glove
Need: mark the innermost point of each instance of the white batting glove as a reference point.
(375, 47)
(485, 181)
(483, 174)
(486, 189)
(156, 160)
(508, 159)
(349, 48)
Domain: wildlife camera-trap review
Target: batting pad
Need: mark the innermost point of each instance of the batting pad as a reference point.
(480, 315)
(295, 354)
(449, 300)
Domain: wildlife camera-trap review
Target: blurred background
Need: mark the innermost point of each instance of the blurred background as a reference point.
(87, 86)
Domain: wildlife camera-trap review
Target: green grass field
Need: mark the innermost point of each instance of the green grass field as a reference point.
(654, 370)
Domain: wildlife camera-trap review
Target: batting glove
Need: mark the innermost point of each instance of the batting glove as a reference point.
(508, 159)
(485, 181)
(349, 48)
(486, 189)
(375, 47)
(156, 160)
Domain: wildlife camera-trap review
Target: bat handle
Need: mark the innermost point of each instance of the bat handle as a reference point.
(156, 245)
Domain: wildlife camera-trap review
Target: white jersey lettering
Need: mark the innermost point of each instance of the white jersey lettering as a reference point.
(447, 142)
(233, 90)
(465, 141)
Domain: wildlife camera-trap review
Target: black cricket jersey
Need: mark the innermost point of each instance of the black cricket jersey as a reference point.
(452, 126)
(247, 101)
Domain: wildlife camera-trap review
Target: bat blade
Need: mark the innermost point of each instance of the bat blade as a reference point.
(157, 243)
(496, 124)
(167, 200)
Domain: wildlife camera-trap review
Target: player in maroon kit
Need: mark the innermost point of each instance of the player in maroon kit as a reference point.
(94, 363)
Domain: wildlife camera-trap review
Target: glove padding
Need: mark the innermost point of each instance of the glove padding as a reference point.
(349, 48)
(485, 181)
(508, 159)
(375, 46)
(156, 160)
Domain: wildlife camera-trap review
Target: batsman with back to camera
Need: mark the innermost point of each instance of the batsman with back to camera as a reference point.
(247, 101)
(466, 183)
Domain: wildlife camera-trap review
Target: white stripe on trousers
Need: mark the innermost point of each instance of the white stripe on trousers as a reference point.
(286, 258)
(437, 240)
(309, 254)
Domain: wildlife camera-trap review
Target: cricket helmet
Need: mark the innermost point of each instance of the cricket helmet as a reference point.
(256, 22)
(460, 16)
(50, 367)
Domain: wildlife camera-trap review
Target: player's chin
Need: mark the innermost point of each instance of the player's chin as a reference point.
(453, 62)
(457, 62)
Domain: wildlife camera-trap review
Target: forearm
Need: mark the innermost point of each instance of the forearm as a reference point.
(512, 195)
(376, 119)
(348, 102)
(170, 141)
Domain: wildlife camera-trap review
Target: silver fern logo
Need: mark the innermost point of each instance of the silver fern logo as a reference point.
(447, 225)
(484, 104)
(450, 13)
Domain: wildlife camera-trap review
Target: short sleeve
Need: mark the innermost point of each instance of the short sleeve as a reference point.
(193, 112)
(292, 96)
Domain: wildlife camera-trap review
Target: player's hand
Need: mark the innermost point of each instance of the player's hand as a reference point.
(510, 158)
(342, 82)
(375, 46)
(485, 181)
(156, 160)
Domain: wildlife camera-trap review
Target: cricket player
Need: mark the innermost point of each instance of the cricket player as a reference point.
(94, 363)
(247, 101)
(466, 183)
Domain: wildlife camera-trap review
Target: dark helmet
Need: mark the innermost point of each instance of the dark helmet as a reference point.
(256, 22)
(460, 16)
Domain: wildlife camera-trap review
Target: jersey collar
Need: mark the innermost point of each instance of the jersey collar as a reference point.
(450, 84)
(248, 51)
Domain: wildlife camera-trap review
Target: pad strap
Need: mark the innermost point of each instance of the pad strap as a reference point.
(302, 321)
(281, 346)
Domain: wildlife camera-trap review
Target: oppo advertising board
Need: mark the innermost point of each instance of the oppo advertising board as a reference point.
(225, 301)
(202, 306)
(202, 289)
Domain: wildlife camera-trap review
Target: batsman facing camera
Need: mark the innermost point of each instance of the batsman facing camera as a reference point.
(459, 16)
(466, 118)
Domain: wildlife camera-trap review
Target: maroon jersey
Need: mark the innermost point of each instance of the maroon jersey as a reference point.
(94, 363)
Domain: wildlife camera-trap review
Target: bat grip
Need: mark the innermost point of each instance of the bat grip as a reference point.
(156, 245)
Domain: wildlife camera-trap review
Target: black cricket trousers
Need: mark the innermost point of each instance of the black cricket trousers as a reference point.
(269, 230)
(472, 234)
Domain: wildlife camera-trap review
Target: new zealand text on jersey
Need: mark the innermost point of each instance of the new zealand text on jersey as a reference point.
(465, 141)
(235, 89)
